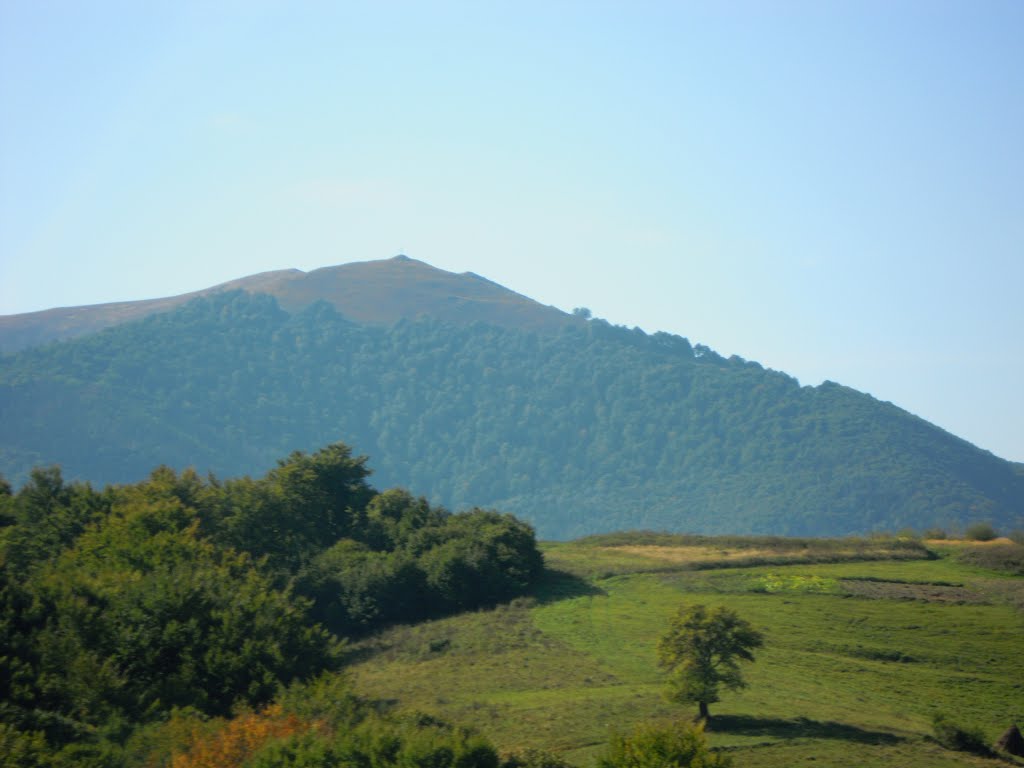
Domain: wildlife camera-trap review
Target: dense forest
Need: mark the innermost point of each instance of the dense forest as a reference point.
(590, 428)
(175, 600)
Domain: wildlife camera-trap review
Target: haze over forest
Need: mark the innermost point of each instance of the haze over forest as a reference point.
(474, 395)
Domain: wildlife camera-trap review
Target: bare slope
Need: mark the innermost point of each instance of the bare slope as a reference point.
(31, 329)
(371, 292)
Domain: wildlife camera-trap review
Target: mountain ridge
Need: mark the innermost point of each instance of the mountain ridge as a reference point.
(377, 292)
(592, 428)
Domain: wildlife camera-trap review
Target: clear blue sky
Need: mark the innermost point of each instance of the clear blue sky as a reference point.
(833, 189)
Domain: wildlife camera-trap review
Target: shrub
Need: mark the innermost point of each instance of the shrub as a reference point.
(980, 532)
(662, 745)
(26, 749)
(935, 533)
(533, 758)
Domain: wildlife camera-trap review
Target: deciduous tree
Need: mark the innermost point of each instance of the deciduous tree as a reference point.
(701, 652)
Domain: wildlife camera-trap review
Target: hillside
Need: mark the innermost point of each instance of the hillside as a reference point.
(864, 644)
(305, 619)
(374, 292)
(590, 428)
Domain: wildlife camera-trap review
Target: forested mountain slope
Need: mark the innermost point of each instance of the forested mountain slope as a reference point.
(590, 428)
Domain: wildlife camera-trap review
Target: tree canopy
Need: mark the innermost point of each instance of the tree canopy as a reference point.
(701, 652)
(126, 604)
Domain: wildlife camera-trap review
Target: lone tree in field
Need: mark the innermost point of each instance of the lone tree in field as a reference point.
(701, 652)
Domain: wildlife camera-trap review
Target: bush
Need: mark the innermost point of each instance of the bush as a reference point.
(935, 533)
(962, 739)
(23, 749)
(980, 532)
(533, 758)
(662, 745)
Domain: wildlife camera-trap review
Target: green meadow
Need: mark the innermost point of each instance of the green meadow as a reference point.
(865, 641)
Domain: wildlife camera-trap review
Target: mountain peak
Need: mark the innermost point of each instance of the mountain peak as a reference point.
(385, 291)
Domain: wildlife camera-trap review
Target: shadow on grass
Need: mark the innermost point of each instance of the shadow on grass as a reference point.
(555, 585)
(799, 727)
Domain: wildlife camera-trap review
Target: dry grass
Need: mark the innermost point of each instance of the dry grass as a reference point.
(703, 555)
(967, 543)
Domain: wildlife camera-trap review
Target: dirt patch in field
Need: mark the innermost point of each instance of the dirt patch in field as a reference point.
(892, 590)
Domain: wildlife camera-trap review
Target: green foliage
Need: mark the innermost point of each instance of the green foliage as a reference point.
(479, 558)
(961, 738)
(356, 589)
(329, 699)
(701, 652)
(177, 594)
(416, 743)
(980, 532)
(394, 517)
(6, 507)
(300, 507)
(48, 515)
(19, 749)
(667, 745)
(593, 428)
(146, 614)
(533, 758)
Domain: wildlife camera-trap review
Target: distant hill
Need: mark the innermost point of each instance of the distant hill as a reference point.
(585, 428)
(374, 292)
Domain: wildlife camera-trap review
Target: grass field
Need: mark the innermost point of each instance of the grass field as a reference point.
(860, 652)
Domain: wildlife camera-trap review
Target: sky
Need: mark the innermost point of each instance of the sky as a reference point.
(832, 189)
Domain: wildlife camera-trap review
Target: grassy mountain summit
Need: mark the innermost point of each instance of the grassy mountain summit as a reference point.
(589, 428)
(375, 292)
(384, 292)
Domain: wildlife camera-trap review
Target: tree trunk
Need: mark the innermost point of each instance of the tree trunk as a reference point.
(704, 714)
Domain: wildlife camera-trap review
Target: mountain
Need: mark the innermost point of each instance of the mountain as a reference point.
(375, 292)
(582, 428)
